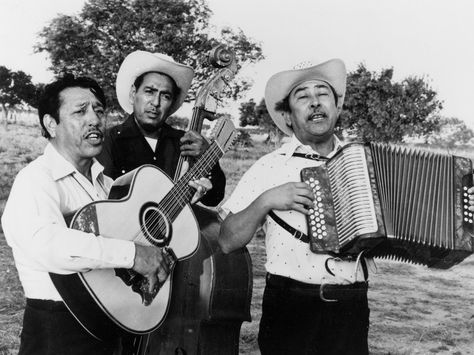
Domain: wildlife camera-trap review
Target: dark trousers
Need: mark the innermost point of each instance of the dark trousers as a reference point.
(296, 321)
(50, 329)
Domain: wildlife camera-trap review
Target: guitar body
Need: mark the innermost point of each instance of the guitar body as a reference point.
(211, 298)
(99, 299)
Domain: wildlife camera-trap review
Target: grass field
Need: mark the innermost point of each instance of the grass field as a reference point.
(414, 310)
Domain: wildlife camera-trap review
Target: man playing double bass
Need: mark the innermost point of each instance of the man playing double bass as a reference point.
(151, 87)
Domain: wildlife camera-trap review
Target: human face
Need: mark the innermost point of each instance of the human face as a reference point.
(79, 134)
(313, 112)
(152, 101)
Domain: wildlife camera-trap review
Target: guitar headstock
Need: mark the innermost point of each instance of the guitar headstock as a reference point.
(224, 134)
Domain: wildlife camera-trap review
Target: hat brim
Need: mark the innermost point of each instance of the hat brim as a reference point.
(139, 62)
(280, 85)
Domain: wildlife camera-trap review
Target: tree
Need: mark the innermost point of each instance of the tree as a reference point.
(15, 88)
(452, 131)
(252, 114)
(95, 42)
(378, 109)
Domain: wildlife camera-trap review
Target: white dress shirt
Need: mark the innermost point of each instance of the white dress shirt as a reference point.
(286, 255)
(42, 193)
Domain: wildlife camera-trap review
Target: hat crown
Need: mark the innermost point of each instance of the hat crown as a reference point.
(304, 65)
(164, 57)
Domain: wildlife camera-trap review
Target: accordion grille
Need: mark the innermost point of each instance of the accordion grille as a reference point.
(416, 191)
(353, 201)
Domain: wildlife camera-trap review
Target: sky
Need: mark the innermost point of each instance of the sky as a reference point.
(433, 39)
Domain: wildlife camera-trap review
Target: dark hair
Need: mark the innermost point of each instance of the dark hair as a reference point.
(284, 104)
(139, 80)
(49, 101)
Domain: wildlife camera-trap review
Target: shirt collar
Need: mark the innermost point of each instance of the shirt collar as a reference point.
(294, 145)
(61, 167)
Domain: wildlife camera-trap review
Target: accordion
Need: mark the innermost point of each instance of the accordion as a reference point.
(392, 202)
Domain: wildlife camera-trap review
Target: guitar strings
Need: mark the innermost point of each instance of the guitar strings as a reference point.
(168, 204)
(181, 192)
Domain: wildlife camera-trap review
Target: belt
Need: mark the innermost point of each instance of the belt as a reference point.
(326, 292)
(46, 305)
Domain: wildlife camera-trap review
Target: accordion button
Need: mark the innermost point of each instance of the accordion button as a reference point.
(323, 228)
(325, 234)
(311, 179)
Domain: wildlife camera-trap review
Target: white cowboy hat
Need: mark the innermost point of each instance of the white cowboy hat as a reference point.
(280, 85)
(139, 62)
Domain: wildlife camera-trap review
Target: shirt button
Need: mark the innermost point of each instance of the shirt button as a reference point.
(154, 158)
(123, 171)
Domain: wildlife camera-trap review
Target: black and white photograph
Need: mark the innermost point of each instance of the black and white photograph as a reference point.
(217, 177)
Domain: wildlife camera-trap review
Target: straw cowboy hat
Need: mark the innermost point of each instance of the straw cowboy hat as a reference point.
(139, 62)
(280, 85)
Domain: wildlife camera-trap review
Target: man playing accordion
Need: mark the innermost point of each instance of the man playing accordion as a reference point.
(313, 303)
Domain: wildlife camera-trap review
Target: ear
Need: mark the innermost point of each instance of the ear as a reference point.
(50, 125)
(287, 118)
(131, 95)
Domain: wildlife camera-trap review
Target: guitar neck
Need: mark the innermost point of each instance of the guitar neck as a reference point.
(181, 193)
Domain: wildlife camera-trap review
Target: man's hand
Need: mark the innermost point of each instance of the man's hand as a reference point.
(202, 186)
(193, 144)
(296, 196)
(151, 262)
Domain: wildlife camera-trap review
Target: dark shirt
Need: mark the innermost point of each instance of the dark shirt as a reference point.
(125, 149)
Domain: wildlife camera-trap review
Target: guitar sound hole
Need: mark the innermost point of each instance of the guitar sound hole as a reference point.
(155, 225)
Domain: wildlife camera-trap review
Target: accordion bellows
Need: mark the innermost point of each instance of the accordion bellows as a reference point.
(392, 202)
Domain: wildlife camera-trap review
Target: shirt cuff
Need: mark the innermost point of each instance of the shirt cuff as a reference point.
(118, 253)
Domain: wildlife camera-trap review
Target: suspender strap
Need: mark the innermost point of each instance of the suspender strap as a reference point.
(293, 231)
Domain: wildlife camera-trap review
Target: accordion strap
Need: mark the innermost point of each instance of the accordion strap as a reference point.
(312, 156)
(293, 231)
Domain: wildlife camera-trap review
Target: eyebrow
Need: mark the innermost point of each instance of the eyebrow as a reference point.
(319, 86)
(86, 103)
(150, 87)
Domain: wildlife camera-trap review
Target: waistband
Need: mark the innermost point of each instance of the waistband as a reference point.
(326, 292)
(46, 305)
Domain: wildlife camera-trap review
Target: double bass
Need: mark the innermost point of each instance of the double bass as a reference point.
(211, 290)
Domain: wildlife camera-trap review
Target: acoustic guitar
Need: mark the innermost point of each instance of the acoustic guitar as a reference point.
(144, 206)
